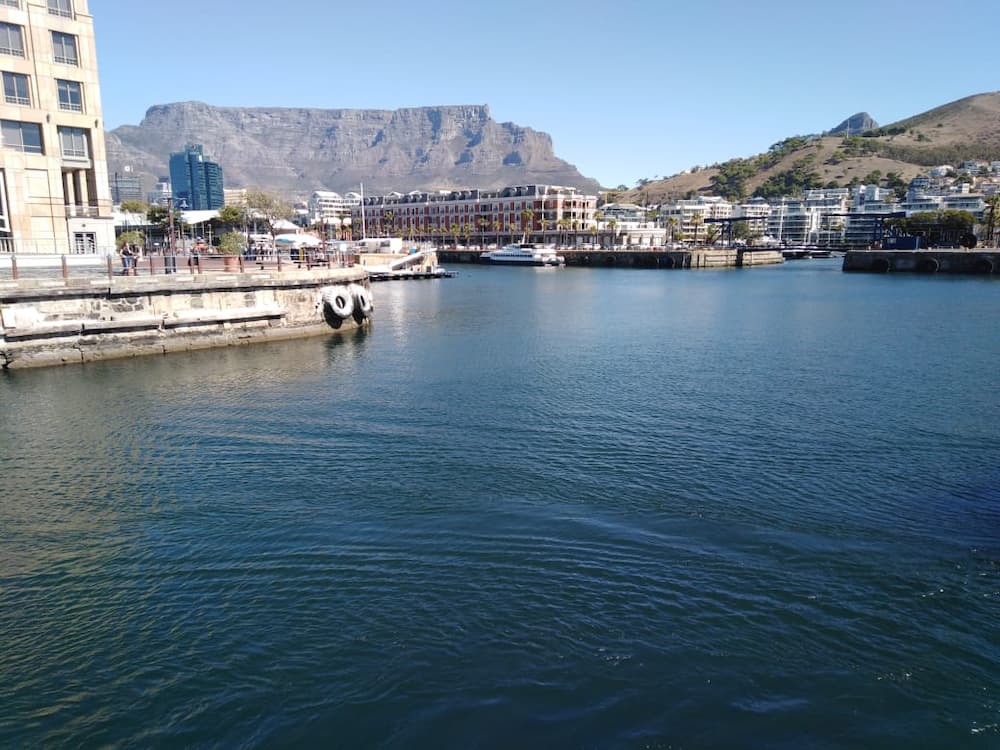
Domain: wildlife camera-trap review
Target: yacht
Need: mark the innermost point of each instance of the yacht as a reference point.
(523, 254)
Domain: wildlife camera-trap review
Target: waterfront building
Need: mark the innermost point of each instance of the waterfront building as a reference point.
(815, 218)
(685, 219)
(630, 225)
(329, 207)
(54, 192)
(544, 212)
(196, 181)
(755, 211)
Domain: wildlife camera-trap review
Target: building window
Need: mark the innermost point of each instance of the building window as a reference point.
(73, 143)
(4, 224)
(85, 243)
(11, 40)
(21, 136)
(70, 96)
(15, 89)
(61, 8)
(11, 3)
(64, 48)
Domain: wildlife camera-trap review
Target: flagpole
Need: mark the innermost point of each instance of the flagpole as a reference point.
(363, 229)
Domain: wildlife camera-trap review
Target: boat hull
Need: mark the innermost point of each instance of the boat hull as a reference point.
(518, 262)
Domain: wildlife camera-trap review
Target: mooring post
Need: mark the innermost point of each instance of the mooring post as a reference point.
(65, 268)
(241, 263)
(279, 262)
(13, 267)
(111, 271)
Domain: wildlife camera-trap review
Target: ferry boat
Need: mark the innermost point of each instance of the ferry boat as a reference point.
(523, 254)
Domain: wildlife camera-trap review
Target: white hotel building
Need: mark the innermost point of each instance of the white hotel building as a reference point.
(54, 193)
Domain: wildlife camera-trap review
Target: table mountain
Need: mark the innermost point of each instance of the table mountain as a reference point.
(296, 151)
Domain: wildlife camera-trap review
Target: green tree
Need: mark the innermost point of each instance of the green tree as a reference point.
(129, 238)
(232, 243)
(268, 208)
(134, 207)
(937, 228)
(231, 216)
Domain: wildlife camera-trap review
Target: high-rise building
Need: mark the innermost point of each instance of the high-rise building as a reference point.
(54, 192)
(126, 185)
(195, 180)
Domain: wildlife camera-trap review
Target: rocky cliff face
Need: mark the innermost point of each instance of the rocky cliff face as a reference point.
(855, 124)
(296, 151)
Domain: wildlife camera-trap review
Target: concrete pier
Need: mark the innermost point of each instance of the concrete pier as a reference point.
(49, 321)
(981, 262)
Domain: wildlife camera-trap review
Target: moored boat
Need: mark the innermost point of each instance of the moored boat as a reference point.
(523, 254)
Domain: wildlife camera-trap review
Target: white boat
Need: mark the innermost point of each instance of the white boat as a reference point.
(523, 254)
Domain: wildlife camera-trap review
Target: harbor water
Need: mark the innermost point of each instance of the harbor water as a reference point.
(527, 508)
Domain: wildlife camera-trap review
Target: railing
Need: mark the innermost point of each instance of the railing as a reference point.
(17, 267)
(84, 212)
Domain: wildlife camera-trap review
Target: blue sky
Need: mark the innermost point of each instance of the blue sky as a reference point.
(626, 89)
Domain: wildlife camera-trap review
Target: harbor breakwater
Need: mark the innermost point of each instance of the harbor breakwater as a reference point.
(50, 322)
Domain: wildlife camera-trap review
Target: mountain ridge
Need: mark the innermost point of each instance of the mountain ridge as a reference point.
(298, 149)
(964, 129)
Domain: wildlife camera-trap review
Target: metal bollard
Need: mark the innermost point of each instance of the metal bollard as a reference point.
(111, 271)
(241, 264)
(65, 268)
(13, 267)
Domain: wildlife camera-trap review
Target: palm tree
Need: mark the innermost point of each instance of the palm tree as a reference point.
(696, 221)
(483, 225)
(496, 228)
(527, 221)
(672, 227)
(612, 225)
(561, 225)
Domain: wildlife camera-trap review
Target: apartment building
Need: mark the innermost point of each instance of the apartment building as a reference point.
(685, 219)
(815, 218)
(54, 191)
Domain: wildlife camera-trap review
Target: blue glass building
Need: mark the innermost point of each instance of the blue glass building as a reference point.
(196, 182)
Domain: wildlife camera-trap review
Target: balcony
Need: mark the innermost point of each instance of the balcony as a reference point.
(83, 212)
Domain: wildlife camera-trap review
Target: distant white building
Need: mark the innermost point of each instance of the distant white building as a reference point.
(325, 205)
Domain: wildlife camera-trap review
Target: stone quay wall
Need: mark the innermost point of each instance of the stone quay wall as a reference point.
(981, 262)
(709, 257)
(51, 322)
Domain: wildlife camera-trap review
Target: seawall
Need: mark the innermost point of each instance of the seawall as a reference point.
(51, 322)
(982, 262)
